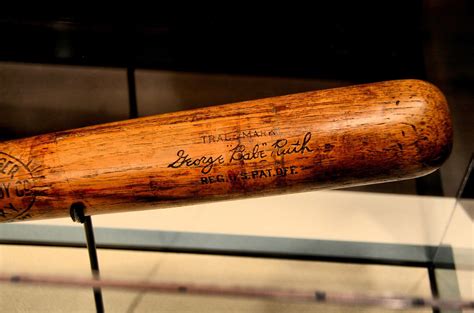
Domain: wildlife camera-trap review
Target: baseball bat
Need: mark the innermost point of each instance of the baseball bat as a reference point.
(331, 138)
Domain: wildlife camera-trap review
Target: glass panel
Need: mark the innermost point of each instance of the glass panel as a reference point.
(456, 251)
(194, 270)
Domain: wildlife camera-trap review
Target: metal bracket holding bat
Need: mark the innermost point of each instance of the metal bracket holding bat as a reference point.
(77, 215)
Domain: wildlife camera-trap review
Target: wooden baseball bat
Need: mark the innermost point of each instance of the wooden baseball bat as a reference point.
(332, 138)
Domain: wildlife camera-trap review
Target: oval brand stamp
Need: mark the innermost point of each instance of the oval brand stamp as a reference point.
(16, 181)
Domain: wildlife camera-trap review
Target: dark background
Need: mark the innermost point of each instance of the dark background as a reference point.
(61, 71)
(357, 41)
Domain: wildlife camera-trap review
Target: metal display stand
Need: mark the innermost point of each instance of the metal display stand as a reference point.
(77, 215)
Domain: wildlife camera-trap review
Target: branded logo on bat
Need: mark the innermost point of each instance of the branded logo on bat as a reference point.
(16, 181)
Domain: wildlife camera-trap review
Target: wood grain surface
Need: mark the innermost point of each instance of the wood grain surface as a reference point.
(331, 138)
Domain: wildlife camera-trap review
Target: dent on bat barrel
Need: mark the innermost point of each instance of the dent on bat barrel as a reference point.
(323, 139)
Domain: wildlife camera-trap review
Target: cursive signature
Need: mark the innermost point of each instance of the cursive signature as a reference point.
(207, 162)
(281, 146)
(239, 153)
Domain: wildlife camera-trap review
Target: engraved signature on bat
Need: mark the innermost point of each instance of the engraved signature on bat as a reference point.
(241, 152)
